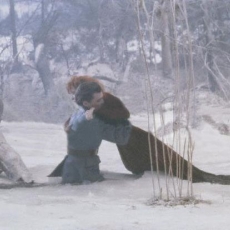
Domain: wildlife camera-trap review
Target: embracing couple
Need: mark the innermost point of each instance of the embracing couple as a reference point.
(85, 131)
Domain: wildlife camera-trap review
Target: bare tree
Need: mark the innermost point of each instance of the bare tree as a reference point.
(41, 42)
(13, 32)
(210, 39)
(165, 38)
(208, 21)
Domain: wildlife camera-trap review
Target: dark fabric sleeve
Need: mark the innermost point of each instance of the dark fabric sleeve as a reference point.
(118, 134)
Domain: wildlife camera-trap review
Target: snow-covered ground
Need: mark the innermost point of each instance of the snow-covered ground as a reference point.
(121, 201)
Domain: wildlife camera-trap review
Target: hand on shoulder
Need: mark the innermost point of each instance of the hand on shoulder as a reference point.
(89, 114)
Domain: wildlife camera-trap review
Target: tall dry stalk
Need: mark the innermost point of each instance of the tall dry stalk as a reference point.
(190, 88)
(149, 98)
(179, 109)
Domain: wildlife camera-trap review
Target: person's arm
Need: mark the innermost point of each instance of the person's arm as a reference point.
(80, 118)
(118, 134)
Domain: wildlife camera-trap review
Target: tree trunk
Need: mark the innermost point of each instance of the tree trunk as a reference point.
(41, 46)
(43, 68)
(1, 109)
(12, 164)
(209, 47)
(165, 40)
(13, 33)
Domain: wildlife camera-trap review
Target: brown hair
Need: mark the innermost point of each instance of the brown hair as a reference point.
(85, 92)
(75, 81)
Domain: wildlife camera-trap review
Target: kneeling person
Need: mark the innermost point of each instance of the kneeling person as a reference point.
(85, 133)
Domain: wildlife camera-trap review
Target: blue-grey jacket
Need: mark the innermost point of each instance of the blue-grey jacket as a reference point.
(86, 134)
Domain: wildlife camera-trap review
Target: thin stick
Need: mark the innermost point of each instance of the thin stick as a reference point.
(144, 56)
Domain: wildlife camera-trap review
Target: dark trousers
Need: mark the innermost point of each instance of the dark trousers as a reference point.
(79, 168)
